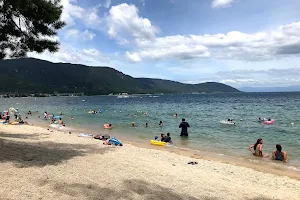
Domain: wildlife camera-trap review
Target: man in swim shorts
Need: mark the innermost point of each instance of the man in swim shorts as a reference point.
(184, 127)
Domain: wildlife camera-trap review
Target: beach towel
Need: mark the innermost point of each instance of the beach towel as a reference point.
(85, 135)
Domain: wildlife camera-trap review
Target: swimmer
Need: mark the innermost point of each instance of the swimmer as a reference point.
(162, 136)
(132, 123)
(45, 115)
(146, 124)
(145, 113)
(258, 149)
(278, 154)
(175, 115)
(71, 118)
(161, 124)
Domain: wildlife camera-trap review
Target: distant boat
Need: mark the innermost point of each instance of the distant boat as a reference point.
(123, 95)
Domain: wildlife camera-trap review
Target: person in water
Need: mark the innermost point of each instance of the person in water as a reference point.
(167, 138)
(258, 149)
(161, 123)
(132, 123)
(278, 154)
(184, 127)
(60, 122)
(146, 124)
(162, 136)
(45, 115)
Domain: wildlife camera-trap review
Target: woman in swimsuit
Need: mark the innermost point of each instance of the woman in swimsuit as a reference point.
(278, 154)
(258, 149)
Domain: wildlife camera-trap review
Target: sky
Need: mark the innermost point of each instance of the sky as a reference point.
(237, 42)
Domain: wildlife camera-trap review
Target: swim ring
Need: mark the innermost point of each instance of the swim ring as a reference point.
(158, 143)
(269, 122)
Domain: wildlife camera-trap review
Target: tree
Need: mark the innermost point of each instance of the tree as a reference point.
(29, 25)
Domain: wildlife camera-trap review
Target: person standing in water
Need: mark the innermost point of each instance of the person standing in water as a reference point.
(258, 149)
(184, 127)
(278, 154)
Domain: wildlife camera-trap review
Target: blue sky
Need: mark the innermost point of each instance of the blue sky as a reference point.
(236, 42)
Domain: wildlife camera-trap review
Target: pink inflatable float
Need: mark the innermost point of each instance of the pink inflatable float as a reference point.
(269, 122)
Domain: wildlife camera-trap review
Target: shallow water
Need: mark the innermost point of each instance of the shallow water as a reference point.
(203, 112)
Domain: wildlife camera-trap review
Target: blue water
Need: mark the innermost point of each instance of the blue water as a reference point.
(202, 111)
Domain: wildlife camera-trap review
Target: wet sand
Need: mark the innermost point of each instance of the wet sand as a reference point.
(39, 164)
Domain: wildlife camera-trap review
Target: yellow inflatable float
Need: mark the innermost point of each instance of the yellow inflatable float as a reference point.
(158, 143)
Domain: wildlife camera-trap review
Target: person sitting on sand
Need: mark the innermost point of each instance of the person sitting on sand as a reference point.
(60, 122)
(167, 138)
(258, 148)
(278, 154)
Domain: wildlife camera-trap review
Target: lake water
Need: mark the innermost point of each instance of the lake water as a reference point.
(202, 111)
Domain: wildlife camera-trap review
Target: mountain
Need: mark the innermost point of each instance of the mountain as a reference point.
(30, 75)
(295, 88)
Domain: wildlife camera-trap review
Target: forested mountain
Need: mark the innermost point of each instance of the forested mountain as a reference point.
(29, 75)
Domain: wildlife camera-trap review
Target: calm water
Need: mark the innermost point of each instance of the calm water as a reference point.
(202, 111)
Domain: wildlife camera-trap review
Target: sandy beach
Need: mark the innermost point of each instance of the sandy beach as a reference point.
(39, 164)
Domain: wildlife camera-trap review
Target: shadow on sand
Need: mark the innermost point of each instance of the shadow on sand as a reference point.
(131, 189)
(40, 154)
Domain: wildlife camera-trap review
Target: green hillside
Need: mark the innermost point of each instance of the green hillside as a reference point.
(29, 75)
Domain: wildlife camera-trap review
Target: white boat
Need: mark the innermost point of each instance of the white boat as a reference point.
(123, 95)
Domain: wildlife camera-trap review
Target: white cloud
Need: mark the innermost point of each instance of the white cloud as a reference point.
(107, 3)
(281, 42)
(76, 34)
(123, 22)
(221, 3)
(70, 54)
(134, 57)
(72, 12)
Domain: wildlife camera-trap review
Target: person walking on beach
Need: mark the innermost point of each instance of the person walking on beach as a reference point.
(258, 149)
(184, 127)
(278, 154)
